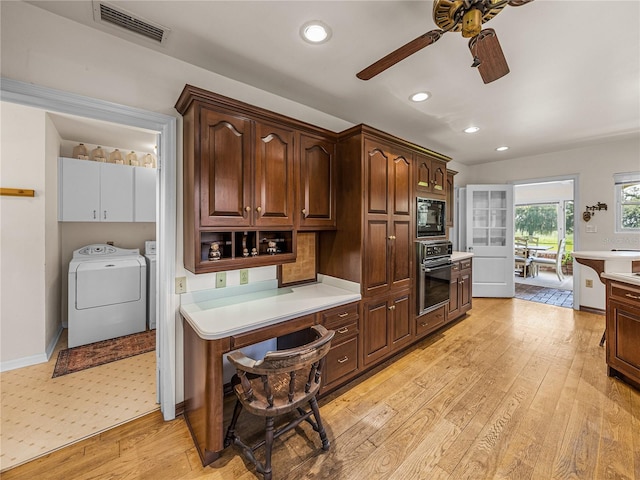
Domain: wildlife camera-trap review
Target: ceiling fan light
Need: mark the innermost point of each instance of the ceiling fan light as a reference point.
(471, 129)
(502, 148)
(315, 32)
(420, 96)
(471, 23)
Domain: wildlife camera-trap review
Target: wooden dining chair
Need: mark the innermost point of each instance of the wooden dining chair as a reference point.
(556, 261)
(282, 382)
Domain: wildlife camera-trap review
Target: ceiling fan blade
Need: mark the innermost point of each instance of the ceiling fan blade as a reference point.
(486, 50)
(400, 54)
(519, 3)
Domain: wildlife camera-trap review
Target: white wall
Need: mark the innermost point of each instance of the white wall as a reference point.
(28, 316)
(595, 166)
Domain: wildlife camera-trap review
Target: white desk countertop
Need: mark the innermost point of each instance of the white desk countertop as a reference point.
(224, 317)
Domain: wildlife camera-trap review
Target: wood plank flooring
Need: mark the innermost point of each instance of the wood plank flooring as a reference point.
(515, 390)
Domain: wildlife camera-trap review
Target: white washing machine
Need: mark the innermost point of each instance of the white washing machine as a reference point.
(107, 293)
(150, 256)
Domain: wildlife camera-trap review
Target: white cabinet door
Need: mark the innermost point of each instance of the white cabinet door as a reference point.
(145, 194)
(116, 193)
(78, 190)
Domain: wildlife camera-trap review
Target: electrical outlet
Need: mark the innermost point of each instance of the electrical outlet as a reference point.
(244, 276)
(221, 279)
(588, 283)
(181, 285)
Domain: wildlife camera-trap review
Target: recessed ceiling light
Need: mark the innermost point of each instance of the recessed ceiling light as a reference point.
(502, 149)
(315, 32)
(471, 129)
(420, 96)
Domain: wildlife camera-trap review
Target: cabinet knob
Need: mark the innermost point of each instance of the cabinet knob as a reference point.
(392, 307)
(258, 209)
(392, 237)
(247, 208)
(304, 213)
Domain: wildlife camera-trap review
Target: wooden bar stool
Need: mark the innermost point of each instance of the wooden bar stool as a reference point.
(282, 382)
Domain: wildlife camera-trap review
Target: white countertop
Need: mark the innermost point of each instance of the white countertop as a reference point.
(632, 278)
(223, 317)
(606, 255)
(456, 256)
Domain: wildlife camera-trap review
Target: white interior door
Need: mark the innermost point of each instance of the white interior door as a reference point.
(490, 239)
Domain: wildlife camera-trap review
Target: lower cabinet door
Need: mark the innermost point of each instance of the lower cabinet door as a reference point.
(400, 321)
(376, 342)
(341, 361)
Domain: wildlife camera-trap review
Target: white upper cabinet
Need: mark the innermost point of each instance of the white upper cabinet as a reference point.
(144, 190)
(105, 192)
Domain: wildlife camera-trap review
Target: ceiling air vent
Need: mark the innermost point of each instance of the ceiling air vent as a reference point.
(105, 13)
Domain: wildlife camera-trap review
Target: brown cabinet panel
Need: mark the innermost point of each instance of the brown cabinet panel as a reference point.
(341, 361)
(376, 259)
(460, 289)
(274, 182)
(623, 331)
(316, 188)
(225, 169)
(402, 198)
(450, 197)
(377, 175)
(402, 253)
(375, 331)
(430, 321)
(431, 176)
(401, 331)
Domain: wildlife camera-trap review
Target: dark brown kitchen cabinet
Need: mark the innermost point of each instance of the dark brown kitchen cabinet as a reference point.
(431, 176)
(387, 326)
(450, 192)
(388, 236)
(240, 181)
(316, 183)
(343, 360)
(460, 289)
(623, 331)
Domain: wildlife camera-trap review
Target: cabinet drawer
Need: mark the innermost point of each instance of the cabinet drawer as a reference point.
(625, 293)
(429, 321)
(465, 264)
(341, 360)
(344, 332)
(455, 267)
(340, 316)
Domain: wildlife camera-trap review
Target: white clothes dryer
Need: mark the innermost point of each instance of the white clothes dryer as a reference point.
(107, 293)
(150, 256)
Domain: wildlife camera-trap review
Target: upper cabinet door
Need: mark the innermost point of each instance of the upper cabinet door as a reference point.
(79, 190)
(377, 174)
(274, 181)
(431, 176)
(116, 193)
(316, 187)
(225, 170)
(401, 182)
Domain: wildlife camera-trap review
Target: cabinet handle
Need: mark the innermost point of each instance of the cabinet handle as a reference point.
(635, 297)
(342, 330)
(423, 324)
(342, 315)
(392, 307)
(247, 209)
(258, 209)
(304, 213)
(392, 237)
(94, 214)
(343, 359)
(105, 215)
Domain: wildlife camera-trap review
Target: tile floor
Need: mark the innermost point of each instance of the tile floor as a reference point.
(551, 296)
(41, 414)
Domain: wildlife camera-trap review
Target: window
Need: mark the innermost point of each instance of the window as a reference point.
(627, 202)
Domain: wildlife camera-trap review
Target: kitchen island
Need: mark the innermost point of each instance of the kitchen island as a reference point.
(214, 327)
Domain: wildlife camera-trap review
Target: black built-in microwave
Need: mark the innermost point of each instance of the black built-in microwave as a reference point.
(431, 220)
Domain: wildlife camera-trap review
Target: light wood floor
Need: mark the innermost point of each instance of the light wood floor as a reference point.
(515, 390)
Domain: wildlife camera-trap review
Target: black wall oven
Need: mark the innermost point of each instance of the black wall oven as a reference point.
(434, 274)
(431, 220)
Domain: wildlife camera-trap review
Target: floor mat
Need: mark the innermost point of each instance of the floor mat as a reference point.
(86, 356)
(551, 296)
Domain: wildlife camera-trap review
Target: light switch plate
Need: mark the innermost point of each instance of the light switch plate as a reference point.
(181, 285)
(244, 276)
(221, 279)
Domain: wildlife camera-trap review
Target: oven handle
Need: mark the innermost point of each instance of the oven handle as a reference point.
(435, 269)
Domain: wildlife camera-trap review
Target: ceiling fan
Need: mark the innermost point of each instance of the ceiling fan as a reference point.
(466, 16)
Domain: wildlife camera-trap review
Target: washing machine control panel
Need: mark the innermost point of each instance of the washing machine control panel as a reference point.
(104, 250)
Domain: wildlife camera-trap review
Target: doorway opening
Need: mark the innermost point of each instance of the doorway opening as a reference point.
(544, 232)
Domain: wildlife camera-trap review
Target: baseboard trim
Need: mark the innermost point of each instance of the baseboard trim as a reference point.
(33, 359)
(597, 311)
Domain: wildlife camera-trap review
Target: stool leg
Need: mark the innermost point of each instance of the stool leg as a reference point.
(231, 431)
(268, 447)
(316, 413)
(604, 337)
